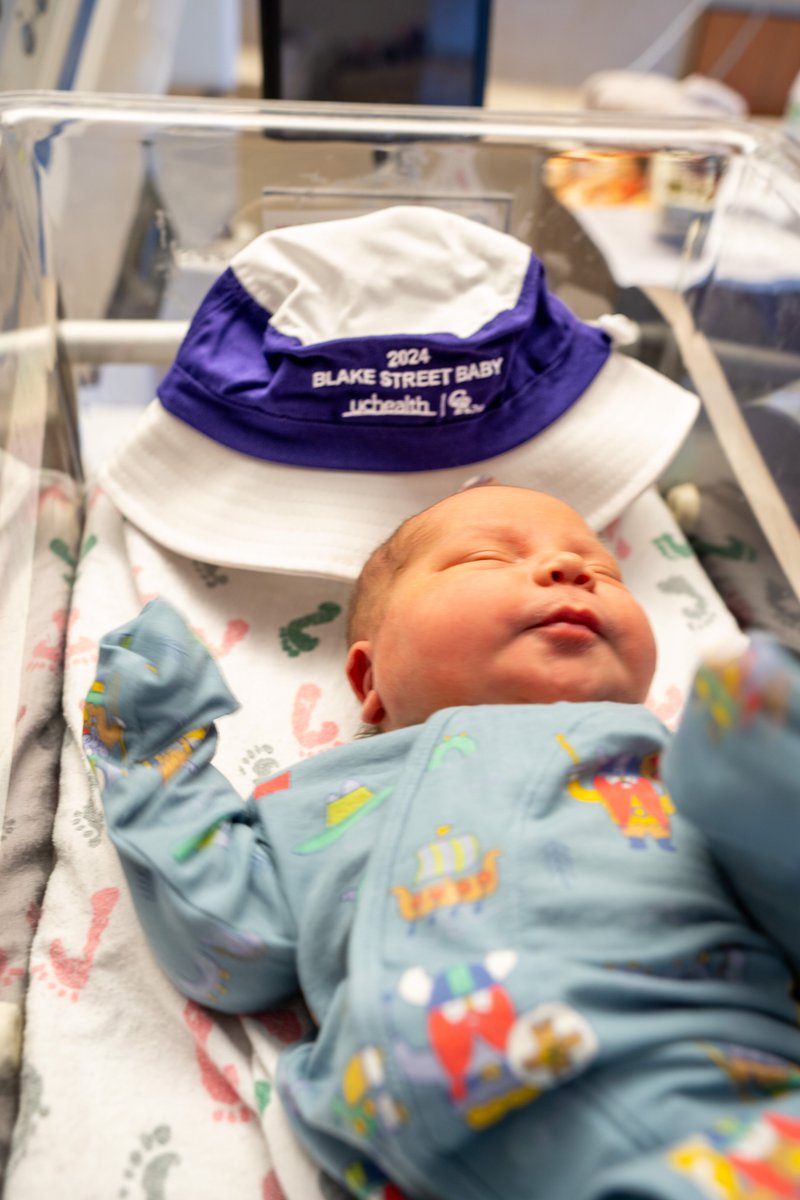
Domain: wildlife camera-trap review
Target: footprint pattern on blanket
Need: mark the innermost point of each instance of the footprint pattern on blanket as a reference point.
(88, 820)
(697, 612)
(8, 973)
(783, 603)
(210, 574)
(221, 1083)
(54, 495)
(50, 654)
(258, 763)
(148, 1166)
(294, 638)
(32, 1110)
(271, 1189)
(68, 975)
(668, 706)
(235, 630)
(286, 1025)
(33, 915)
(614, 536)
(668, 546)
(311, 740)
(60, 548)
(263, 1089)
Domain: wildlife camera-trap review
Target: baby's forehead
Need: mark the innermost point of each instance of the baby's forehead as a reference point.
(504, 510)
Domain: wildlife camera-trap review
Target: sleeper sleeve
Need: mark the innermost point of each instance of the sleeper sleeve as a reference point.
(196, 856)
(733, 768)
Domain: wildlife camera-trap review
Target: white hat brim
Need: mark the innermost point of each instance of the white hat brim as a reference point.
(202, 500)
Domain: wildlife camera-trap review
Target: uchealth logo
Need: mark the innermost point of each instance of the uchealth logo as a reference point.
(457, 403)
(391, 406)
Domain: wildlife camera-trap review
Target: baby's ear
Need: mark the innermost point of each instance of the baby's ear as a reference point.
(360, 675)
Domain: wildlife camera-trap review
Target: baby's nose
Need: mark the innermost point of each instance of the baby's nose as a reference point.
(563, 566)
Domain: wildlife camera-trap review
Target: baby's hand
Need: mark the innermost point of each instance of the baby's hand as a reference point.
(155, 683)
(733, 766)
(757, 685)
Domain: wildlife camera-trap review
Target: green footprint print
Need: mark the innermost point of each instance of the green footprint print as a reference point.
(62, 550)
(295, 640)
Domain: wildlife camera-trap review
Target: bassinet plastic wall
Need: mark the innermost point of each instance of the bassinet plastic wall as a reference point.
(39, 534)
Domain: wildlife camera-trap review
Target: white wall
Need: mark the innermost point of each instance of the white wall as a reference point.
(560, 44)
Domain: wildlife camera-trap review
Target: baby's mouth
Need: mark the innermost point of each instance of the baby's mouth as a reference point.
(580, 618)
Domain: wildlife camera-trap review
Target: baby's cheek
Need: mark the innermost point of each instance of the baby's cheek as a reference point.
(643, 665)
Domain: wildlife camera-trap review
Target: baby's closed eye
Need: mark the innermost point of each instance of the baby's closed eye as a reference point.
(488, 557)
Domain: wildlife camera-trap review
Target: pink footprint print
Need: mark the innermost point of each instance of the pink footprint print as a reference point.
(235, 630)
(220, 1083)
(49, 654)
(72, 973)
(283, 1023)
(312, 740)
(55, 492)
(271, 1189)
(612, 533)
(668, 709)
(7, 974)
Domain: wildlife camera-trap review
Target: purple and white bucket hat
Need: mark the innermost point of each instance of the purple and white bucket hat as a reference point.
(340, 376)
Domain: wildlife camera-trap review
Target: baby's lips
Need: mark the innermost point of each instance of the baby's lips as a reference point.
(567, 615)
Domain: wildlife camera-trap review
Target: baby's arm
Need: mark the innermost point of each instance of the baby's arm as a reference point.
(733, 768)
(194, 853)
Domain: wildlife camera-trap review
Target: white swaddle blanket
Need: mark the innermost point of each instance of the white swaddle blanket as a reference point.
(39, 535)
(128, 1088)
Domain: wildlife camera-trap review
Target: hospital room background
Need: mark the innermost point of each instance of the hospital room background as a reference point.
(646, 151)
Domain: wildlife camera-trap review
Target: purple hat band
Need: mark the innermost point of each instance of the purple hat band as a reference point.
(380, 403)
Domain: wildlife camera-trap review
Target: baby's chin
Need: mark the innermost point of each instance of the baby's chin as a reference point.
(619, 688)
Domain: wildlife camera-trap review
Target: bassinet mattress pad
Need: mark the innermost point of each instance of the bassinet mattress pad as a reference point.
(127, 1086)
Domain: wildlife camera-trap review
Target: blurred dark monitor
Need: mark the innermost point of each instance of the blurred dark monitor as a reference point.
(376, 51)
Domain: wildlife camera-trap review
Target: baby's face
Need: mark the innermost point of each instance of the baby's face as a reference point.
(507, 597)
